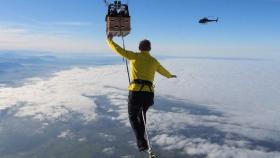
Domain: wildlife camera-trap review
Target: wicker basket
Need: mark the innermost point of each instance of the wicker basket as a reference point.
(118, 26)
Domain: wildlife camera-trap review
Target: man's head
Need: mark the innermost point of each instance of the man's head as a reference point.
(145, 45)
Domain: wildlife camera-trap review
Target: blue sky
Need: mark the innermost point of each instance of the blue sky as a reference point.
(246, 28)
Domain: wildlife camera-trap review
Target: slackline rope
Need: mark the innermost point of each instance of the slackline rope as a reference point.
(147, 136)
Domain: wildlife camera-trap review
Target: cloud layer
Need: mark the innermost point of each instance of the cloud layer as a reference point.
(215, 108)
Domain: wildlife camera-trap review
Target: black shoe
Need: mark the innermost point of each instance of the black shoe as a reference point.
(142, 145)
(152, 155)
(143, 148)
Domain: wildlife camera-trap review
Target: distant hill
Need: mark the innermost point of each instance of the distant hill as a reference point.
(9, 65)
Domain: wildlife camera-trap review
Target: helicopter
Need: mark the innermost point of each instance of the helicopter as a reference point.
(205, 20)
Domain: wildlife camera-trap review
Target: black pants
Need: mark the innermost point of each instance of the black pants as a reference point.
(138, 101)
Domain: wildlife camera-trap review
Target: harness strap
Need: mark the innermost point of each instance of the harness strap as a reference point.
(143, 83)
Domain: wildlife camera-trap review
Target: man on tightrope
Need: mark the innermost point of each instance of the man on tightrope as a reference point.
(141, 90)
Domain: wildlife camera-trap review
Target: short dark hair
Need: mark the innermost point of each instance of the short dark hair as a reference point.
(145, 45)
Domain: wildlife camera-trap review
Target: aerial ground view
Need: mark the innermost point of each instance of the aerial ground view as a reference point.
(139, 79)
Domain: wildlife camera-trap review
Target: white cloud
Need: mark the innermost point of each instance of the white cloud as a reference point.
(66, 134)
(53, 98)
(197, 146)
(107, 137)
(12, 30)
(66, 92)
(83, 139)
(109, 150)
(20, 38)
(244, 90)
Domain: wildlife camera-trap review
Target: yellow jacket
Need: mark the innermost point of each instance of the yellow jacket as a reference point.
(142, 66)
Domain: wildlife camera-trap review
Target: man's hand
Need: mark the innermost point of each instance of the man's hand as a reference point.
(110, 36)
(173, 76)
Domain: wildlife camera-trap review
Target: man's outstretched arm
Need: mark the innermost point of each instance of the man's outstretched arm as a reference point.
(165, 72)
(119, 50)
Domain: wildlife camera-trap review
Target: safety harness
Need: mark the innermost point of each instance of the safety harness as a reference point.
(143, 83)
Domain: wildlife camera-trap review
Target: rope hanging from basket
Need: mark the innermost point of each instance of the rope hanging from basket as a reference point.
(127, 69)
(126, 63)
